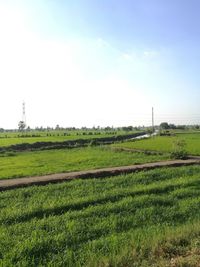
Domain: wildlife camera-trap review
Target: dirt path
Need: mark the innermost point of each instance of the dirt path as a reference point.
(7, 184)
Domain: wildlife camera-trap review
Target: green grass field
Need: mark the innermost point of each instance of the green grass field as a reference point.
(54, 138)
(143, 219)
(165, 143)
(22, 164)
(7, 139)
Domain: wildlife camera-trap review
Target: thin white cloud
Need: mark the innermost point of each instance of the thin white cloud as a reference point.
(150, 54)
(127, 56)
(102, 43)
(140, 55)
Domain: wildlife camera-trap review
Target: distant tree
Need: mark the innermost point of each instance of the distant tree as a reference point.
(57, 127)
(172, 126)
(107, 128)
(164, 125)
(181, 127)
(21, 126)
(127, 128)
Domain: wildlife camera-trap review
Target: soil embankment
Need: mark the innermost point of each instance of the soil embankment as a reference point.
(98, 173)
(69, 143)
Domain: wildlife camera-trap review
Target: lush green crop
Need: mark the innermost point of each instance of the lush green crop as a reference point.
(52, 161)
(143, 219)
(7, 139)
(165, 143)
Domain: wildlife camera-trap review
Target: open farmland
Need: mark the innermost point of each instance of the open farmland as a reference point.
(99, 133)
(20, 164)
(149, 218)
(143, 219)
(13, 138)
(165, 143)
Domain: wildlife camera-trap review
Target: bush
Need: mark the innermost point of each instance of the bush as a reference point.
(178, 151)
(179, 154)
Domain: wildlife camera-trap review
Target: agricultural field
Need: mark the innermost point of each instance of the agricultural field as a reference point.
(144, 219)
(20, 164)
(149, 218)
(165, 143)
(13, 138)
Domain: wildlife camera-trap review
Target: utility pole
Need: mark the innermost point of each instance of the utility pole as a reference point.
(152, 120)
(23, 113)
(22, 123)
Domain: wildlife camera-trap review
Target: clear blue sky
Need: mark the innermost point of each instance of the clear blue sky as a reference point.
(91, 62)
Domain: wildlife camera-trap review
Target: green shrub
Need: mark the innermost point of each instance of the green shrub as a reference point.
(179, 154)
(178, 151)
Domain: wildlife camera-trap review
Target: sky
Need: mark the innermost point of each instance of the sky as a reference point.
(99, 63)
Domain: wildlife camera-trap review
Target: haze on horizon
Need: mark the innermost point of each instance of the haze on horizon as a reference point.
(90, 62)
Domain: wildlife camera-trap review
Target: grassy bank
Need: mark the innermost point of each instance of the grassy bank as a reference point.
(165, 143)
(143, 219)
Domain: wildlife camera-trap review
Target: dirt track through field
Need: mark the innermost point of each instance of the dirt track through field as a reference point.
(7, 184)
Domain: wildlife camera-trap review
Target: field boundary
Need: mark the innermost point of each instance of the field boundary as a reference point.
(7, 184)
(149, 151)
(47, 145)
